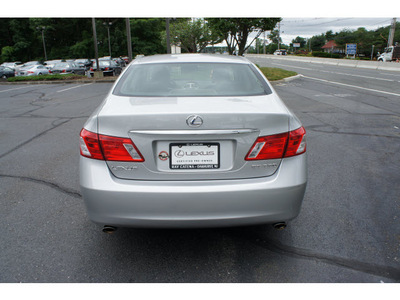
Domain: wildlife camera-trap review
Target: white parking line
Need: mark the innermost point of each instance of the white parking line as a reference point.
(353, 86)
(24, 87)
(355, 75)
(74, 87)
(338, 73)
(293, 66)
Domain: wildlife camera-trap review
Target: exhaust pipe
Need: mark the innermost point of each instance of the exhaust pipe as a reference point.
(109, 229)
(279, 225)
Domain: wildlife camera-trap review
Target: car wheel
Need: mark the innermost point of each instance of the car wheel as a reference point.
(40, 74)
(4, 77)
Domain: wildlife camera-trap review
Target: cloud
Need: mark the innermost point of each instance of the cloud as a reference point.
(308, 27)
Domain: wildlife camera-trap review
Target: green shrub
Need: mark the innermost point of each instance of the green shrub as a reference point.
(46, 77)
(325, 54)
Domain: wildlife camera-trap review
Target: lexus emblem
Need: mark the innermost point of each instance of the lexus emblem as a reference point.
(194, 121)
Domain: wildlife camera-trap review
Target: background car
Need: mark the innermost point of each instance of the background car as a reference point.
(12, 65)
(119, 61)
(126, 59)
(192, 141)
(109, 68)
(84, 63)
(6, 72)
(30, 63)
(68, 68)
(280, 52)
(32, 70)
(50, 63)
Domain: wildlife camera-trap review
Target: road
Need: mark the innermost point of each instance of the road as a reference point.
(348, 229)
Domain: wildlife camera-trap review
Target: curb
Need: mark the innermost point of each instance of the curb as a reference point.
(287, 79)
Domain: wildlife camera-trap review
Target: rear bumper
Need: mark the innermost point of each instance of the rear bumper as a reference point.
(206, 203)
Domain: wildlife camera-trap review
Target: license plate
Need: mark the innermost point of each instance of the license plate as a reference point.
(194, 156)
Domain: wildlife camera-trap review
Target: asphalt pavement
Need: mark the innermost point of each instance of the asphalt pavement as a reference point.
(348, 229)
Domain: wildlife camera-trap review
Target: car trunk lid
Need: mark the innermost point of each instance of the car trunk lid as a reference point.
(175, 146)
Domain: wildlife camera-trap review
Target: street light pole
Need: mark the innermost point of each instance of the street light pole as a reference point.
(96, 51)
(44, 44)
(129, 39)
(108, 25)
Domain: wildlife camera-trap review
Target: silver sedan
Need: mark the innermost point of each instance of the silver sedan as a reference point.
(32, 70)
(192, 141)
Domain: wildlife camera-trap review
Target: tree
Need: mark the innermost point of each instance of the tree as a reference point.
(317, 42)
(302, 41)
(329, 35)
(146, 36)
(193, 35)
(236, 31)
(275, 37)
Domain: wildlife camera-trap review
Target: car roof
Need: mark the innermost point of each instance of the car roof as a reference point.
(193, 58)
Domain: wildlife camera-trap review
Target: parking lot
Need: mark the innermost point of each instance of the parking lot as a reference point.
(348, 229)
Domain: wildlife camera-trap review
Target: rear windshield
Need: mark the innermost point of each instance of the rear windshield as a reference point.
(191, 79)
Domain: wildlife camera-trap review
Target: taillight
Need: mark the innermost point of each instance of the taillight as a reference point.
(106, 69)
(111, 148)
(119, 149)
(297, 142)
(63, 71)
(278, 145)
(90, 146)
(30, 72)
(268, 147)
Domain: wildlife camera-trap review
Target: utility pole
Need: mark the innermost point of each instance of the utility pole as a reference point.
(264, 44)
(372, 52)
(279, 36)
(42, 28)
(168, 38)
(128, 38)
(391, 33)
(96, 51)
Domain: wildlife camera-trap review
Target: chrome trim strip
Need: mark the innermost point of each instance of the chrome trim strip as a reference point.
(193, 132)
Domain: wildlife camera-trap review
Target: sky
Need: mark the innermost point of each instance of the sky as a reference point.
(300, 18)
(308, 27)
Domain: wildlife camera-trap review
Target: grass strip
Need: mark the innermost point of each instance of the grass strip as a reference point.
(273, 74)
